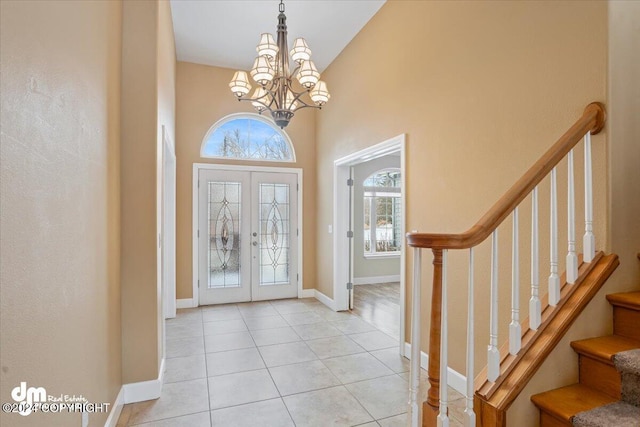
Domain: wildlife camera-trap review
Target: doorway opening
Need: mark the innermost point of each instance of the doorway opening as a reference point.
(247, 231)
(369, 228)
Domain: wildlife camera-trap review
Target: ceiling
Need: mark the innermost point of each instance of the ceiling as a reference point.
(225, 33)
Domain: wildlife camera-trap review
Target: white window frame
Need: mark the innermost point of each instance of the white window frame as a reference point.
(257, 117)
(372, 192)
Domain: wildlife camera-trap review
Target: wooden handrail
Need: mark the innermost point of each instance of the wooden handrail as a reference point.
(592, 119)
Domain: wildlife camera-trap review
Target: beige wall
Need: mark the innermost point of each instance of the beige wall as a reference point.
(203, 98)
(59, 191)
(481, 89)
(148, 103)
(623, 129)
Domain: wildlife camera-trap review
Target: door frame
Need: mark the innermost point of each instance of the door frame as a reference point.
(341, 195)
(168, 226)
(194, 219)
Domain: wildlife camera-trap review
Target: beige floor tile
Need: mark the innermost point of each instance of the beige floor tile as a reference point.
(353, 326)
(328, 407)
(342, 345)
(192, 328)
(231, 313)
(396, 421)
(241, 388)
(181, 398)
(230, 362)
(268, 413)
(391, 358)
(257, 310)
(201, 419)
(316, 330)
(266, 322)
(304, 318)
(374, 340)
(264, 337)
(302, 377)
(224, 327)
(382, 397)
(371, 424)
(336, 316)
(226, 342)
(356, 367)
(286, 354)
(181, 347)
(184, 368)
(292, 307)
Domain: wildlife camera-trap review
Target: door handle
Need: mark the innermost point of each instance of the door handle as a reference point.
(254, 234)
(255, 243)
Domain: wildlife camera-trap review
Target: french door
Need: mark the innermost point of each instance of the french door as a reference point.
(247, 236)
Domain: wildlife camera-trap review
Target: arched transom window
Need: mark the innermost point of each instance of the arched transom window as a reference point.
(247, 137)
(382, 213)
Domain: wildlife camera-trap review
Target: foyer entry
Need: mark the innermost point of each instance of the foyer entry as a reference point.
(247, 235)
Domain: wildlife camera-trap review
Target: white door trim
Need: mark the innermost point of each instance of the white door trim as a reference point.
(168, 231)
(194, 218)
(340, 223)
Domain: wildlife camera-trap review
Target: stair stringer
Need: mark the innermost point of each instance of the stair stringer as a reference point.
(544, 359)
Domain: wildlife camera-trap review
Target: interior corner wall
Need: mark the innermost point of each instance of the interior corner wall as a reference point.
(482, 90)
(623, 129)
(203, 98)
(59, 192)
(364, 267)
(139, 241)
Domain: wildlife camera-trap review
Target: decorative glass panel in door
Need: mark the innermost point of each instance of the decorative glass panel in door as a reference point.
(275, 236)
(223, 227)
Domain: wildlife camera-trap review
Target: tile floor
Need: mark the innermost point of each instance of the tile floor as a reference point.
(279, 363)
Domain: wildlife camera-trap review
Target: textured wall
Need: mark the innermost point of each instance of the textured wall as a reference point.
(59, 192)
(481, 89)
(203, 98)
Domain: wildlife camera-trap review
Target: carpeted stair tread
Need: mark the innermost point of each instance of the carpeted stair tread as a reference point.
(618, 414)
(630, 300)
(563, 403)
(628, 364)
(603, 348)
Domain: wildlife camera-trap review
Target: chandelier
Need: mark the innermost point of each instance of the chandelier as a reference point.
(270, 71)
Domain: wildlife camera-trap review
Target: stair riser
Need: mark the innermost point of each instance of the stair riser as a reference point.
(626, 322)
(600, 376)
(547, 420)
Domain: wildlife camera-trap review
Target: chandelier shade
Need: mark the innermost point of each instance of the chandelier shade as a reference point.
(240, 83)
(271, 72)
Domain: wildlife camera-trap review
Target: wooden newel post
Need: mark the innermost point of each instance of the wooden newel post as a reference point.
(431, 406)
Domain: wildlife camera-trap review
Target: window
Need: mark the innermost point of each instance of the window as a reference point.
(247, 137)
(382, 213)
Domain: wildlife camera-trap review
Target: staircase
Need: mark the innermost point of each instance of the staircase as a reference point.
(608, 393)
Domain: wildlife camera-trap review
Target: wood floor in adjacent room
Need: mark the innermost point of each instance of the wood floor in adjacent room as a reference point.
(379, 305)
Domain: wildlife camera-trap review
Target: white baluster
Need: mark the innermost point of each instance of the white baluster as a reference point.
(515, 331)
(535, 314)
(572, 258)
(554, 279)
(469, 415)
(493, 355)
(588, 241)
(443, 416)
(415, 406)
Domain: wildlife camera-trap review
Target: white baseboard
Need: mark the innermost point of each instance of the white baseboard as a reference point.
(375, 280)
(307, 293)
(144, 390)
(325, 299)
(116, 409)
(185, 303)
(456, 380)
